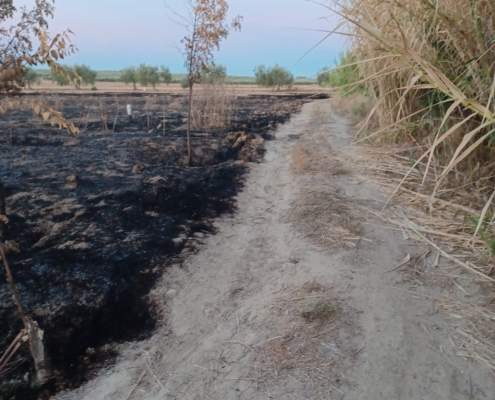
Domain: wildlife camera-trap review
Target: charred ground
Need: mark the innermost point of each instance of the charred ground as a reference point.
(98, 217)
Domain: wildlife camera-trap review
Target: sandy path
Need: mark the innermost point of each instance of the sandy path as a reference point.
(294, 297)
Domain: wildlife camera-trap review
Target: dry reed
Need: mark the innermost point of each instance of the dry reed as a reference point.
(429, 66)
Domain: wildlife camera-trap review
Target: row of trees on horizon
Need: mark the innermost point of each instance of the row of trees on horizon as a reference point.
(147, 75)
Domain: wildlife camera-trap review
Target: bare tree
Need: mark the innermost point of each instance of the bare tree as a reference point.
(24, 43)
(207, 30)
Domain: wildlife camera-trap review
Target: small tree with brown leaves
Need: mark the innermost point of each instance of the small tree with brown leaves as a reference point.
(207, 30)
(24, 43)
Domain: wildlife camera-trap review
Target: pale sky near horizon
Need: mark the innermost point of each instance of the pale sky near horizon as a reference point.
(112, 34)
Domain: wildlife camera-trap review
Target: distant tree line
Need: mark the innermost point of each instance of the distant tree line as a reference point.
(65, 75)
(145, 75)
(211, 75)
(79, 75)
(76, 75)
(275, 77)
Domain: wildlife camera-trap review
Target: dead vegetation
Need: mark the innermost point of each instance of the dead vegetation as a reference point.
(326, 219)
(324, 216)
(305, 160)
(446, 225)
(458, 261)
(313, 346)
(212, 107)
(428, 67)
(473, 335)
(433, 87)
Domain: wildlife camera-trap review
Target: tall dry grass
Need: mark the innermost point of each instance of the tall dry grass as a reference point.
(429, 66)
(213, 106)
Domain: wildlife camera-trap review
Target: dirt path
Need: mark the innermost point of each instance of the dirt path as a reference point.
(295, 297)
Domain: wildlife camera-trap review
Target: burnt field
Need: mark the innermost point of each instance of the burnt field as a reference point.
(98, 217)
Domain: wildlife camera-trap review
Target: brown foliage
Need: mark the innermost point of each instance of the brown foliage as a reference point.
(208, 29)
(25, 42)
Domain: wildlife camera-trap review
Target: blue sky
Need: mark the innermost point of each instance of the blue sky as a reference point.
(112, 34)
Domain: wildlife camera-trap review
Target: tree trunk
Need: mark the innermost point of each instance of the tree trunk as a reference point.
(3, 212)
(31, 328)
(33, 331)
(189, 114)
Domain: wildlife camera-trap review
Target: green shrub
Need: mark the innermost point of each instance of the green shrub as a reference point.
(165, 75)
(275, 77)
(86, 74)
(485, 232)
(214, 74)
(62, 77)
(148, 75)
(184, 83)
(129, 76)
(342, 76)
(31, 77)
(78, 74)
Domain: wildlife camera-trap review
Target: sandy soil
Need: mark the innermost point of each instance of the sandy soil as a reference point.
(297, 295)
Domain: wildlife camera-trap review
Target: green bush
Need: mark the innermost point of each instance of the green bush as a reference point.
(148, 75)
(62, 77)
(31, 77)
(342, 76)
(165, 75)
(184, 83)
(214, 74)
(129, 76)
(275, 77)
(86, 74)
(78, 74)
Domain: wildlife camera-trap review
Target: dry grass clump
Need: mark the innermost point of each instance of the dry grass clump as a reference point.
(429, 66)
(323, 217)
(313, 344)
(307, 160)
(319, 311)
(213, 107)
(458, 260)
(449, 226)
(326, 219)
(474, 337)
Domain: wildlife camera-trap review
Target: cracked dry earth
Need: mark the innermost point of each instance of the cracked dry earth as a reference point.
(295, 296)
